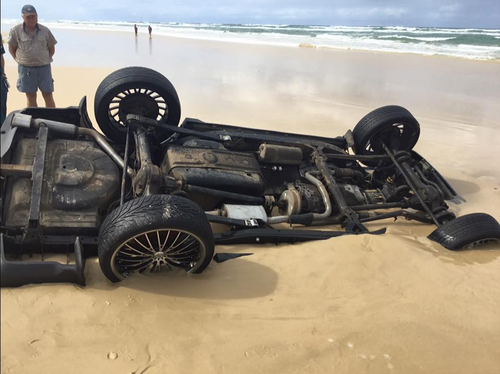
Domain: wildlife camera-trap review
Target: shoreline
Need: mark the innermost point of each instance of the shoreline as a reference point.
(175, 57)
(304, 45)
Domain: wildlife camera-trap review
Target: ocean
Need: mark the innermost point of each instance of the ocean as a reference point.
(476, 44)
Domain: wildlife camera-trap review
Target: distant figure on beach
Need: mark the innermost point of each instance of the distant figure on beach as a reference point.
(135, 30)
(5, 85)
(150, 30)
(32, 45)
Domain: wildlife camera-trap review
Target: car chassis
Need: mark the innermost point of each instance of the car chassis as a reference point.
(142, 196)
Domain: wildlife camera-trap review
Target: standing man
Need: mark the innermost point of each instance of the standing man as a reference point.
(5, 85)
(135, 30)
(32, 45)
(150, 30)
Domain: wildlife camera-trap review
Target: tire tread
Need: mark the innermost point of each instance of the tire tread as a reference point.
(464, 230)
(152, 212)
(376, 120)
(127, 78)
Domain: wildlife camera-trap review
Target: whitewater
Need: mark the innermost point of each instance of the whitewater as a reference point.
(476, 44)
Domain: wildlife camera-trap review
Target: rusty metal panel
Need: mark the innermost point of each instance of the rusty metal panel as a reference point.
(210, 158)
(214, 168)
(79, 180)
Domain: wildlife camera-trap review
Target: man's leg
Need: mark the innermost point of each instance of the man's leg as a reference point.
(31, 98)
(27, 83)
(49, 99)
(46, 85)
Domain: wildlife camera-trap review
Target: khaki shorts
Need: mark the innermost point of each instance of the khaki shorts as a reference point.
(32, 78)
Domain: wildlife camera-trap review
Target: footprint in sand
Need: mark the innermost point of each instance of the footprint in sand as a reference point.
(388, 358)
(112, 356)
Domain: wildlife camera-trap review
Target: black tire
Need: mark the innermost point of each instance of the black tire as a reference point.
(135, 90)
(151, 221)
(393, 125)
(467, 231)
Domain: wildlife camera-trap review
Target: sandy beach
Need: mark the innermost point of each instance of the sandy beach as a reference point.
(396, 303)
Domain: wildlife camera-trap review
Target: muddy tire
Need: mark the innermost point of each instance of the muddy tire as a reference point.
(467, 231)
(155, 233)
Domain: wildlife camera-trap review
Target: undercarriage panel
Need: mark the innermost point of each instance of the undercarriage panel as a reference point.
(215, 168)
(79, 179)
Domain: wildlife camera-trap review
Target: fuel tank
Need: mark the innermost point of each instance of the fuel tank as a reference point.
(78, 181)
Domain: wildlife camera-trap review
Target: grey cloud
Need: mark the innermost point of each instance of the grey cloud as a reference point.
(371, 12)
(447, 13)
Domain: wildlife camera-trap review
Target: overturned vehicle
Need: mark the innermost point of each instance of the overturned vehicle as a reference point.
(142, 194)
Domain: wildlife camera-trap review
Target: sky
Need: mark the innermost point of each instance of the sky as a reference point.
(430, 13)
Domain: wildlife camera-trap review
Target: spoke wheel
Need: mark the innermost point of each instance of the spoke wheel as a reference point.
(391, 125)
(156, 251)
(135, 90)
(155, 233)
(146, 103)
(398, 136)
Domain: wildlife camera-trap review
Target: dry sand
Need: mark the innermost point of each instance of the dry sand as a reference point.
(366, 304)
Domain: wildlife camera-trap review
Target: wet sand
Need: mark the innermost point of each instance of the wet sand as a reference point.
(366, 304)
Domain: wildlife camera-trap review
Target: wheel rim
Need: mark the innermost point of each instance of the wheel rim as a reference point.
(481, 242)
(398, 136)
(158, 250)
(140, 101)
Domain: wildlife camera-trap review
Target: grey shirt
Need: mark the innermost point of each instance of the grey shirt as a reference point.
(32, 50)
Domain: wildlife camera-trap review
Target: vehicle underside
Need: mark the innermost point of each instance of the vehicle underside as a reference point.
(143, 195)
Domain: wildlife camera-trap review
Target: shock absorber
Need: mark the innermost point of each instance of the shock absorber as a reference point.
(421, 191)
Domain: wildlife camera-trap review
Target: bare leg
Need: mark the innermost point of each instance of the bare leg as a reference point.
(49, 99)
(31, 97)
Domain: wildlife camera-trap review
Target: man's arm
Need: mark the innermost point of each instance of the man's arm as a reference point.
(51, 43)
(3, 63)
(12, 51)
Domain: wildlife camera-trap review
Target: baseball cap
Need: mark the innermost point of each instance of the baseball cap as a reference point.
(28, 9)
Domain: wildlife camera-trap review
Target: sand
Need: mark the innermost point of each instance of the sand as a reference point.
(366, 304)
